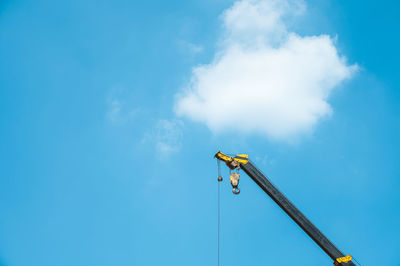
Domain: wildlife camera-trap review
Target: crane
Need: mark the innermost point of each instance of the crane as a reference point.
(242, 161)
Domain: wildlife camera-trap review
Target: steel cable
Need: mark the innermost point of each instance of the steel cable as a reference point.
(219, 208)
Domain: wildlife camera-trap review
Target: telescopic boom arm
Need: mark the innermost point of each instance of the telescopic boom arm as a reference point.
(242, 162)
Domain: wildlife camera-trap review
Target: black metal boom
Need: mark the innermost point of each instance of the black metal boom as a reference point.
(294, 213)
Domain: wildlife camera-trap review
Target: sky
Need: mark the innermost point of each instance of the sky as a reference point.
(111, 113)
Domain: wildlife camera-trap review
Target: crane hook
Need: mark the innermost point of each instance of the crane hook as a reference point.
(234, 178)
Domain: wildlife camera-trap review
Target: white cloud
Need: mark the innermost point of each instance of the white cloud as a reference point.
(259, 22)
(265, 79)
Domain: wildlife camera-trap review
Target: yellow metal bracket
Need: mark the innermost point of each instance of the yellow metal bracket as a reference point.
(232, 161)
(344, 259)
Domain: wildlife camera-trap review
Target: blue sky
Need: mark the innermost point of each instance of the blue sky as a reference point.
(98, 167)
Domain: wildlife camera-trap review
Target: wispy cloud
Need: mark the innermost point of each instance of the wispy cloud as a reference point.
(189, 48)
(166, 136)
(114, 110)
(265, 79)
(118, 111)
(193, 48)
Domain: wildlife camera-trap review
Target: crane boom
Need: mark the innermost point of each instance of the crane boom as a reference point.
(242, 162)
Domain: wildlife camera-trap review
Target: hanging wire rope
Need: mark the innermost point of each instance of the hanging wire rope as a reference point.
(219, 208)
(219, 219)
